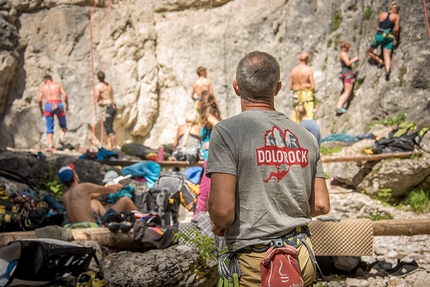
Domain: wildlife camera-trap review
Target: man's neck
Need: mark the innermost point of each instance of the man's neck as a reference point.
(261, 106)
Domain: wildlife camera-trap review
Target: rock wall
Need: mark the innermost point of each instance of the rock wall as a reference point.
(150, 49)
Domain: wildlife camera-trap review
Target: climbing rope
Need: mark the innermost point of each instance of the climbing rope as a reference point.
(93, 101)
(94, 106)
(427, 18)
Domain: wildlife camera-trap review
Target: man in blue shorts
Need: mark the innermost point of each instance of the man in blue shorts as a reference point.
(387, 36)
(52, 92)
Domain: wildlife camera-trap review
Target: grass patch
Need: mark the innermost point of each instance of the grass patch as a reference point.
(281, 39)
(329, 42)
(355, 26)
(387, 121)
(336, 20)
(50, 182)
(384, 195)
(382, 216)
(368, 12)
(330, 150)
(205, 245)
(419, 201)
(337, 40)
(402, 73)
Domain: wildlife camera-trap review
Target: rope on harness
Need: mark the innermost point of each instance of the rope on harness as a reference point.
(105, 35)
(385, 5)
(426, 17)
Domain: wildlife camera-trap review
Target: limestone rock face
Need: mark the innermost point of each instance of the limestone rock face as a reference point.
(150, 49)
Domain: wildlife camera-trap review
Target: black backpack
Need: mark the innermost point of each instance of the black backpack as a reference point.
(37, 262)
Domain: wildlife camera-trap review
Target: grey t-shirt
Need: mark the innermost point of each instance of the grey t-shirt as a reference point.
(275, 161)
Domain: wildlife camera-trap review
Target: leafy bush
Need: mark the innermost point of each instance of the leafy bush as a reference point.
(387, 121)
(330, 150)
(205, 245)
(368, 12)
(336, 20)
(419, 201)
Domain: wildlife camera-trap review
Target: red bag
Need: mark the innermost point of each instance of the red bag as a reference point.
(279, 267)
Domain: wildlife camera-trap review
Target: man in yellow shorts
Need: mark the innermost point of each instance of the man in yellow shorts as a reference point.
(303, 84)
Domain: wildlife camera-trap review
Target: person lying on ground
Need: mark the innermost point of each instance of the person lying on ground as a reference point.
(80, 199)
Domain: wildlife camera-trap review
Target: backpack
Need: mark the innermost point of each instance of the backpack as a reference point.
(36, 262)
(402, 139)
(164, 198)
(409, 130)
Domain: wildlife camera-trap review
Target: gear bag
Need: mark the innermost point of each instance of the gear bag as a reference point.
(280, 267)
(37, 262)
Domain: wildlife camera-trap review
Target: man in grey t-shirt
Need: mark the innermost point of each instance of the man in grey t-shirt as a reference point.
(266, 175)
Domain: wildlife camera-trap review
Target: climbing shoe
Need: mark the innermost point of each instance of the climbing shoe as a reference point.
(113, 222)
(381, 65)
(127, 221)
(387, 76)
(340, 111)
(99, 280)
(85, 279)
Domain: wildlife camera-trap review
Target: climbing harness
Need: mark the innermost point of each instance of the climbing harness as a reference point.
(228, 263)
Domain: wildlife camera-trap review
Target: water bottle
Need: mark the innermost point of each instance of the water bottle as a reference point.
(160, 154)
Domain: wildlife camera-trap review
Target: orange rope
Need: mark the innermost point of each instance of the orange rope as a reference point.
(90, 30)
(102, 132)
(427, 18)
(105, 35)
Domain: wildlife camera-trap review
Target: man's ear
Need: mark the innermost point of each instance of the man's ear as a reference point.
(278, 87)
(236, 88)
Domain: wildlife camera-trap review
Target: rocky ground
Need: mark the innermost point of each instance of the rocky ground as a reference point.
(347, 203)
(387, 249)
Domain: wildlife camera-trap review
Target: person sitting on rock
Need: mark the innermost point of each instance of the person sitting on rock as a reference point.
(80, 199)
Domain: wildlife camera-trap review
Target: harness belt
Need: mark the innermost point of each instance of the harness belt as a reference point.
(82, 225)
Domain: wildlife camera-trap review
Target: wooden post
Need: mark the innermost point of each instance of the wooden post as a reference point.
(401, 227)
(370, 157)
(126, 241)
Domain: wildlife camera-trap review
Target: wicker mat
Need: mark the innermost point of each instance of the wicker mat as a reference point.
(349, 237)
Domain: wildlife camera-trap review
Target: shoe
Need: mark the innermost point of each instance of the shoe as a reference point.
(387, 76)
(393, 269)
(340, 111)
(381, 65)
(85, 279)
(113, 222)
(61, 141)
(127, 221)
(98, 280)
(404, 268)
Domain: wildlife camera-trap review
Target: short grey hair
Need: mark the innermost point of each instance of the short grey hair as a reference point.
(257, 76)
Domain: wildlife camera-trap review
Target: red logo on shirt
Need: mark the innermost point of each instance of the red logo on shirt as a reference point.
(281, 148)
